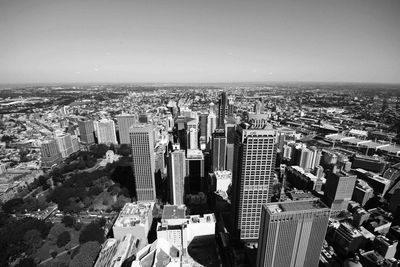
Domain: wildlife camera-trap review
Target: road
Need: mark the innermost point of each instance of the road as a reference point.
(60, 254)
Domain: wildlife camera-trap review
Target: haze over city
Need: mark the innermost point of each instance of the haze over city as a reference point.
(199, 41)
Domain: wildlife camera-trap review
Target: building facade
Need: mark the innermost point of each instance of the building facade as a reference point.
(292, 233)
(143, 159)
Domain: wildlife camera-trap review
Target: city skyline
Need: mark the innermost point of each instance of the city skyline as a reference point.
(191, 42)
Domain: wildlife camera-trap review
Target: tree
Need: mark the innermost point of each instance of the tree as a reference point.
(13, 205)
(86, 255)
(26, 262)
(53, 253)
(68, 221)
(33, 240)
(55, 231)
(91, 232)
(63, 239)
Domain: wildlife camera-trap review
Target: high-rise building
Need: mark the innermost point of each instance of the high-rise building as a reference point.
(339, 188)
(105, 131)
(230, 132)
(192, 134)
(125, 121)
(253, 175)
(222, 110)
(258, 107)
(50, 153)
(170, 122)
(203, 118)
(177, 169)
(292, 233)
(219, 150)
(64, 143)
(142, 143)
(86, 130)
(211, 123)
(305, 158)
(231, 107)
(194, 170)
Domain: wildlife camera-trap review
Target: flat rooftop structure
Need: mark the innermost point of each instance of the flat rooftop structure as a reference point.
(223, 175)
(174, 212)
(301, 205)
(133, 214)
(194, 154)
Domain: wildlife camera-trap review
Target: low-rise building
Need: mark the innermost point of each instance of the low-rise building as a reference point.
(135, 219)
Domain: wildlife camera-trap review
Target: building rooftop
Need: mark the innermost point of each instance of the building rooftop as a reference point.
(133, 214)
(223, 175)
(289, 206)
(194, 154)
(174, 212)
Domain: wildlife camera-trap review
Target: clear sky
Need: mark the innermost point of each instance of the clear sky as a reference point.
(199, 40)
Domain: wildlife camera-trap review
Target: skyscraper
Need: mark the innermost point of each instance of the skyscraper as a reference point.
(50, 153)
(125, 121)
(211, 123)
(177, 169)
(222, 110)
(105, 131)
(253, 174)
(142, 143)
(230, 127)
(86, 130)
(339, 189)
(292, 233)
(192, 134)
(219, 150)
(64, 143)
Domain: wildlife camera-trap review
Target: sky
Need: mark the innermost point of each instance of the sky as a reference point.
(102, 41)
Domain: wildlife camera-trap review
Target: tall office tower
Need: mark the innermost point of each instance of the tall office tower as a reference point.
(50, 153)
(253, 175)
(231, 106)
(218, 150)
(64, 143)
(230, 129)
(86, 130)
(316, 157)
(203, 118)
(222, 110)
(142, 143)
(192, 134)
(211, 125)
(258, 107)
(287, 152)
(177, 174)
(339, 188)
(170, 123)
(292, 233)
(305, 159)
(125, 121)
(105, 131)
(194, 170)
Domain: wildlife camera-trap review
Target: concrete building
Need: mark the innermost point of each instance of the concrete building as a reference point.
(179, 229)
(218, 150)
(125, 121)
(115, 251)
(143, 159)
(222, 110)
(211, 123)
(134, 219)
(221, 180)
(292, 233)
(362, 192)
(160, 253)
(253, 175)
(339, 189)
(86, 130)
(50, 153)
(64, 144)
(177, 170)
(192, 135)
(105, 131)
